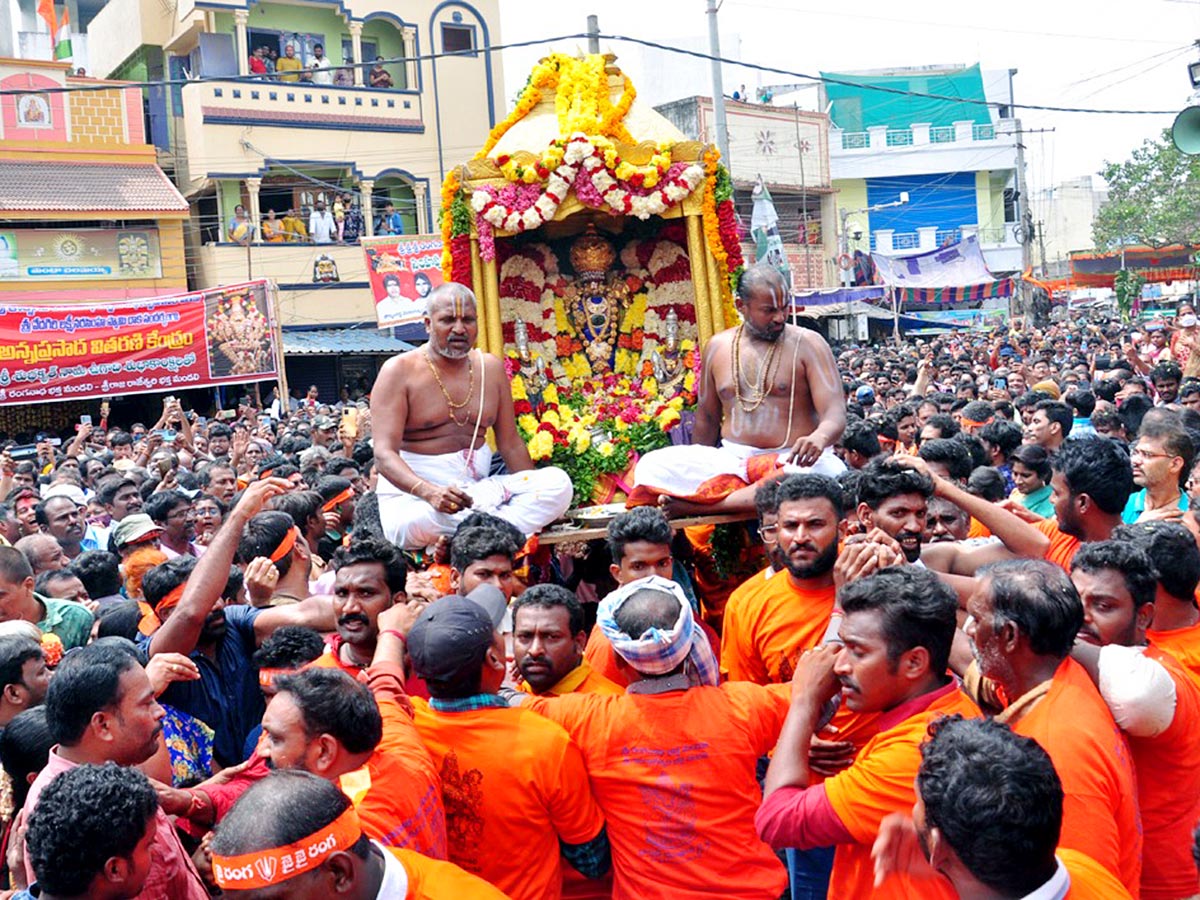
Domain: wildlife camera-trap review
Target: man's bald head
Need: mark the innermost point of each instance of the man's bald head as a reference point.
(760, 278)
(762, 299)
(645, 609)
(449, 292)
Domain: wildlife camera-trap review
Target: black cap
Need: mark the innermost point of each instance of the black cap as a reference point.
(454, 632)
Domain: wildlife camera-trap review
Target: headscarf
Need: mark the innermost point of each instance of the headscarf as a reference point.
(657, 652)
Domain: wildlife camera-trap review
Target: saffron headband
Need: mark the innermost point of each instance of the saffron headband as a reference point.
(286, 545)
(267, 676)
(340, 498)
(264, 868)
(170, 601)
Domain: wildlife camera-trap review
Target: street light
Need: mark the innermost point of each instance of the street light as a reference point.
(845, 237)
(1185, 132)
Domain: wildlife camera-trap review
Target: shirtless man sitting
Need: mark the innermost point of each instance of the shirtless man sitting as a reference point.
(432, 410)
(770, 397)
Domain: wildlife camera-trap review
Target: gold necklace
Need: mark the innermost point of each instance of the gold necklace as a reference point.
(445, 393)
(758, 389)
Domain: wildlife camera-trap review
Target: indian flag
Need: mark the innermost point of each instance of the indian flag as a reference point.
(62, 43)
(45, 9)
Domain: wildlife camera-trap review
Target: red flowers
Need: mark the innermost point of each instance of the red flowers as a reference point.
(522, 407)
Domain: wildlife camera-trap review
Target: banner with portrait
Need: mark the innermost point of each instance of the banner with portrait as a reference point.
(218, 336)
(402, 270)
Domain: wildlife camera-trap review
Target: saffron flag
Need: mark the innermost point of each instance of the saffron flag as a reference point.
(45, 9)
(62, 42)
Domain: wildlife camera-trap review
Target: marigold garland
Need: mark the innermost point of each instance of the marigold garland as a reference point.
(718, 242)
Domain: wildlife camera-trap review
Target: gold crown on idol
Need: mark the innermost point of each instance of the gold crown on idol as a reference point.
(591, 254)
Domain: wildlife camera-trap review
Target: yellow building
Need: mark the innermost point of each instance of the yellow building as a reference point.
(241, 138)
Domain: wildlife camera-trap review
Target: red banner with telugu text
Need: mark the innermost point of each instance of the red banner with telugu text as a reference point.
(71, 352)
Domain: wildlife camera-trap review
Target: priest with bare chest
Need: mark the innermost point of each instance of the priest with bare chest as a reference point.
(432, 409)
(770, 400)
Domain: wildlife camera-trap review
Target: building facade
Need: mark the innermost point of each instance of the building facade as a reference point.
(346, 132)
(943, 135)
(1063, 218)
(788, 148)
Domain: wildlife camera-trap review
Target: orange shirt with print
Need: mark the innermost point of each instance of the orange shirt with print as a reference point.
(582, 680)
(432, 879)
(513, 784)
(1100, 814)
(1089, 879)
(674, 774)
(768, 624)
(879, 783)
(1168, 783)
(1062, 545)
(397, 793)
(1183, 644)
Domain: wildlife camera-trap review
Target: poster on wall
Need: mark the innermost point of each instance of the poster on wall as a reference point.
(403, 270)
(93, 254)
(219, 336)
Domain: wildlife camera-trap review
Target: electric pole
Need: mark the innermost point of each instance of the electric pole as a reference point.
(593, 33)
(718, 86)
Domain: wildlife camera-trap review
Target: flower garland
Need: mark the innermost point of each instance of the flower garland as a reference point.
(456, 231)
(720, 230)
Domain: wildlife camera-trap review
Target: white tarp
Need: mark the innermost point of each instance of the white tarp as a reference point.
(957, 265)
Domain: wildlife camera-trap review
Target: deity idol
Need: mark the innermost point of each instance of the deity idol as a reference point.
(669, 368)
(533, 367)
(596, 299)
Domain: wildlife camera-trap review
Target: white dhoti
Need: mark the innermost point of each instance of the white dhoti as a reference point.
(681, 471)
(529, 500)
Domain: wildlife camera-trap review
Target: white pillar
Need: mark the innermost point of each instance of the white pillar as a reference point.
(920, 132)
(252, 187)
(963, 131)
(422, 207)
(240, 19)
(356, 51)
(365, 189)
(883, 240)
(878, 135)
(927, 237)
(409, 36)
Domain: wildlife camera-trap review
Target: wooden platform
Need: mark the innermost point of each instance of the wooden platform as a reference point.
(563, 533)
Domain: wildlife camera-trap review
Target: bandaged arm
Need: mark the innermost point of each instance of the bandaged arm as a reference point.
(1139, 691)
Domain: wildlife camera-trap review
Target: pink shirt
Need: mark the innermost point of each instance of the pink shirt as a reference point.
(172, 875)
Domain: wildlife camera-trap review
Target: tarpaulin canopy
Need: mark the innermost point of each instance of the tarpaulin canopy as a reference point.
(1156, 265)
(950, 266)
(857, 104)
(921, 298)
(830, 296)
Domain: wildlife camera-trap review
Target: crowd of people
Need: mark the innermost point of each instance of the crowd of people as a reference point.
(339, 222)
(315, 649)
(265, 63)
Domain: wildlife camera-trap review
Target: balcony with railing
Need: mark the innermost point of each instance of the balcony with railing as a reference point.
(885, 240)
(883, 137)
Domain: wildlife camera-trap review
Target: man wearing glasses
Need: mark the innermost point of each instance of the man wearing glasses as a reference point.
(1162, 460)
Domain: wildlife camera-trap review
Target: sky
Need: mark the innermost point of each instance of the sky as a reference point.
(1100, 54)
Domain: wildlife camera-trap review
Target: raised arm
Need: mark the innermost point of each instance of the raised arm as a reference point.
(181, 630)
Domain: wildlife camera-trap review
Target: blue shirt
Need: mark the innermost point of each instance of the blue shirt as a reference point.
(227, 697)
(1137, 505)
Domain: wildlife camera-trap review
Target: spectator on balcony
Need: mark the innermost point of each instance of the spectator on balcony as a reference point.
(241, 230)
(380, 77)
(343, 76)
(271, 60)
(288, 67)
(354, 221)
(272, 229)
(321, 73)
(294, 229)
(390, 222)
(321, 226)
(257, 66)
(340, 202)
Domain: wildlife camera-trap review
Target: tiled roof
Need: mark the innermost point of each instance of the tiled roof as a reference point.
(327, 341)
(60, 186)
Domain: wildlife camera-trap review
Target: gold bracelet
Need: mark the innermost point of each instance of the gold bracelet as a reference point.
(413, 490)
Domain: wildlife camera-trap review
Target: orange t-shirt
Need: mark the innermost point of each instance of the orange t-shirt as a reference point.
(397, 793)
(1089, 879)
(881, 782)
(767, 629)
(1062, 545)
(1168, 782)
(977, 529)
(768, 624)
(432, 879)
(1100, 814)
(600, 655)
(513, 784)
(1183, 644)
(674, 774)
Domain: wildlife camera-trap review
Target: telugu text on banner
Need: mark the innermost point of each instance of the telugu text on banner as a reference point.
(219, 336)
(403, 270)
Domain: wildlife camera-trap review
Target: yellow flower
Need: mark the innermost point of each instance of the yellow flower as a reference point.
(582, 442)
(551, 418)
(676, 403)
(620, 425)
(606, 449)
(550, 394)
(689, 382)
(650, 386)
(518, 389)
(541, 446)
(667, 419)
(527, 423)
